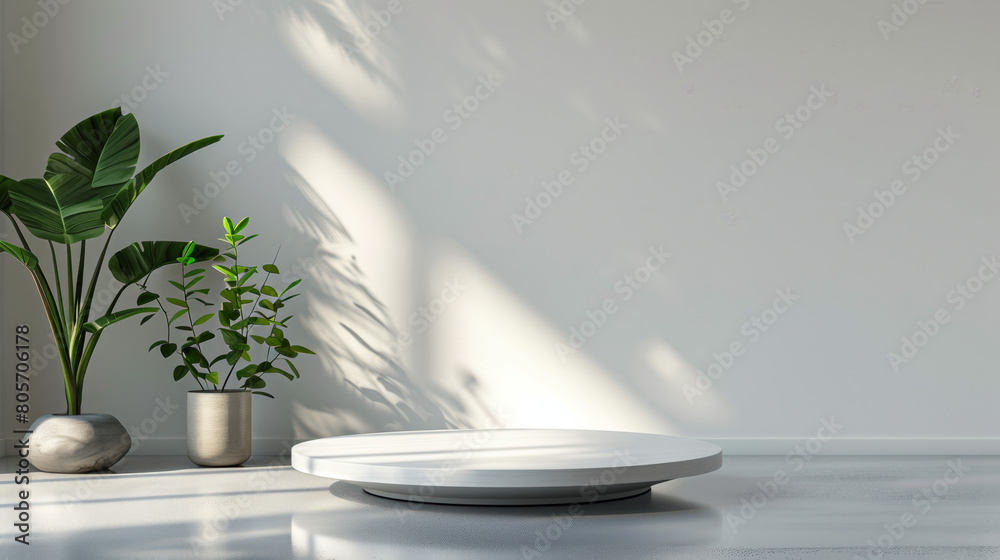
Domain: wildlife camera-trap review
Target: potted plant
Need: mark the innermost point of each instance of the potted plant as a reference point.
(84, 193)
(218, 413)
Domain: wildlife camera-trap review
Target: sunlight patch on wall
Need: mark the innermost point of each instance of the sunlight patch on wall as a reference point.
(381, 232)
(492, 343)
(363, 77)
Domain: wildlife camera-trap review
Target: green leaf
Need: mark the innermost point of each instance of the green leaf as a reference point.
(255, 382)
(243, 223)
(184, 328)
(177, 315)
(248, 238)
(230, 275)
(293, 368)
(136, 261)
(271, 268)
(180, 372)
(85, 142)
(155, 344)
(232, 337)
(268, 291)
(213, 378)
(166, 350)
(205, 336)
(115, 209)
(246, 371)
(257, 338)
(193, 355)
(146, 318)
(62, 208)
(193, 272)
(203, 319)
(290, 286)
(112, 318)
(5, 185)
(178, 302)
(302, 350)
(233, 356)
(228, 224)
(188, 249)
(268, 395)
(119, 155)
(27, 258)
(146, 297)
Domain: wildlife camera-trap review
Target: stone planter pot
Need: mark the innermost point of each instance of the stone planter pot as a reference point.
(218, 428)
(77, 444)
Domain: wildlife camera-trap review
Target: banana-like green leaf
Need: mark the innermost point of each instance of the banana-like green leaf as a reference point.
(85, 141)
(61, 163)
(63, 208)
(119, 156)
(112, 318)
(26, 257)
(136, 261)
(6, 185)
(116, 208)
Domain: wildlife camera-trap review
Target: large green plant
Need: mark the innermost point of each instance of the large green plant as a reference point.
(86, 190)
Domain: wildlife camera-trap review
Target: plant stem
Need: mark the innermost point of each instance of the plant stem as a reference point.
(79, 275)
(70, 294)
(55, 269)
(81, 369)
(191, 323)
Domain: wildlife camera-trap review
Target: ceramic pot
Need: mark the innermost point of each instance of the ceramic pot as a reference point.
(77, 444)
(218, 428)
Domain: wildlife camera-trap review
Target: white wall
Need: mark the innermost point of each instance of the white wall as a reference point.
(319, 190)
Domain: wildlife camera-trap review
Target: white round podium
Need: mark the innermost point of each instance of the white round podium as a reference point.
(506, 466)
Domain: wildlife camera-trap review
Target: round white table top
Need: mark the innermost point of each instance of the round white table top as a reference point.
(505, 464)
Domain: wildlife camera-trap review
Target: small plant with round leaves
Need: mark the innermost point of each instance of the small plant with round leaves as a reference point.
(245, 305)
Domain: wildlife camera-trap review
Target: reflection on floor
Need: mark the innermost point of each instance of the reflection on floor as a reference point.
(754, 507)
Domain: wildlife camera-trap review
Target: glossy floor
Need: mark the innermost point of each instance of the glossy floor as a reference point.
(754, 507)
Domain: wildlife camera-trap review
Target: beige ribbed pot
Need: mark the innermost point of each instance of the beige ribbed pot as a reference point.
(218, 428)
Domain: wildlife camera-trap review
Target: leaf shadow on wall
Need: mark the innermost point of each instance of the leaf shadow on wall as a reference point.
(362, 350)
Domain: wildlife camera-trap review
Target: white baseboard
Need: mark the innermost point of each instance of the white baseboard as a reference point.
(731, 446)
(860, 446)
